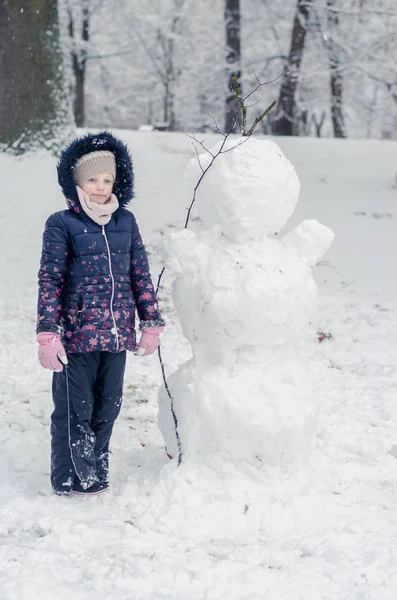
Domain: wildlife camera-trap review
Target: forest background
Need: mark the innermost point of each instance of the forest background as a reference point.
(168, 63)
(331, 66)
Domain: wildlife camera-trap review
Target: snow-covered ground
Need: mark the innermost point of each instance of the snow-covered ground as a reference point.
(323, 528)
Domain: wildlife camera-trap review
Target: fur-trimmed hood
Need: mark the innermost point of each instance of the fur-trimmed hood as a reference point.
(92, 142)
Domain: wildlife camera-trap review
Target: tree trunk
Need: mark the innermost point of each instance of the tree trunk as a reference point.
(78, 101)
(34, 103)
(285, 120)
(336, 82)
(170, 74)
(169, 114)
(232, 21)
(79, 62)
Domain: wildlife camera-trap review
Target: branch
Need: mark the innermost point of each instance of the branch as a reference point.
(262, 116)
(243, 106)
(174, 417)
(237, 93)
(262, 84)
(100, 56)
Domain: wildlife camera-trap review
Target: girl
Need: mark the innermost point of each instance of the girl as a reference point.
(93, 274)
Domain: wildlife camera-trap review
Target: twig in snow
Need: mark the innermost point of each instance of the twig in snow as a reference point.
(174, 417)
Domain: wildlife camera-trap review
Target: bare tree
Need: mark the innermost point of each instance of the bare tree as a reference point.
(159, 33)
(336, 81)
(34, 103)
(79, 33)
(168, 73)
(233, 41)
(285, 122)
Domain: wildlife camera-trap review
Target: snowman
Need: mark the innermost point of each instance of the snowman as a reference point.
(246, 300)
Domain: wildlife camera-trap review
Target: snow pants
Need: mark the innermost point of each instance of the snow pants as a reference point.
(87, 397)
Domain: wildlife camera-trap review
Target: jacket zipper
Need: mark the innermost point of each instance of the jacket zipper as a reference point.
(113, 286)
(79, 313)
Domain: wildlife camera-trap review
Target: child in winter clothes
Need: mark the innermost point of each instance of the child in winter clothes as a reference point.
(93, 274)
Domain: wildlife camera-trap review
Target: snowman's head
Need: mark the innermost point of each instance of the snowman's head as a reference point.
(250, 190)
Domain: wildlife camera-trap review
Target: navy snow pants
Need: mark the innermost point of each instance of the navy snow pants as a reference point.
(87, 398)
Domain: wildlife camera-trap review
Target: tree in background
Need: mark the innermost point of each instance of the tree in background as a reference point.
(34, 103)
(336, 81)
(285, 122)
(78, 15)
(154, 61)
(160, 32)
(233, 42)
(371, 64)
(165, 61)
(157, 41)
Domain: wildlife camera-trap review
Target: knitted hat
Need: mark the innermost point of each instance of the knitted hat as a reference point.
(93, 163)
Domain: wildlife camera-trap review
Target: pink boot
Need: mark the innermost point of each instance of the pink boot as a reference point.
(51, 351)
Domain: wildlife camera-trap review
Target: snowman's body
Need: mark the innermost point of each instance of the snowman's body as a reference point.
(246, 302)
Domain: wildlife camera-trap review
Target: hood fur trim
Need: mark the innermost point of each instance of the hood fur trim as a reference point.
(93, 142)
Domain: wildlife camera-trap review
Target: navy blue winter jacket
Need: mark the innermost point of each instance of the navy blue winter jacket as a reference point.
(93, 277)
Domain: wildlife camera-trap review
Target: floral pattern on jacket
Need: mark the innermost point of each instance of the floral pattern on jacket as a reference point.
(92, 279)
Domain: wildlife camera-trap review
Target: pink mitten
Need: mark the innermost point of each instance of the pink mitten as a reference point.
(150, 341)
(50, 349)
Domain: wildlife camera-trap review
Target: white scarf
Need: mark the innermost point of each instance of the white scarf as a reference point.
(100, 213)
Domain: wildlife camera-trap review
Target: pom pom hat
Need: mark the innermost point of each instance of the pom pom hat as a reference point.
(93, 163)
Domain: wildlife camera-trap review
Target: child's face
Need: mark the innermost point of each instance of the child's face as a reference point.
(99, 187)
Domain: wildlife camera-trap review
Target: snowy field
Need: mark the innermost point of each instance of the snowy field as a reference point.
(323, 528)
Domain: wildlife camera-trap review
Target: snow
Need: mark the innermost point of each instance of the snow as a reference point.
(321, 528)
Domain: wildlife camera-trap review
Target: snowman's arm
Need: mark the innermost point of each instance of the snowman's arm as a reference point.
(310, 240)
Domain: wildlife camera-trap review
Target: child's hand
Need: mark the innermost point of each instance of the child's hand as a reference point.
(51, 351)
(149, 342)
